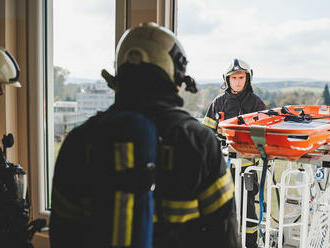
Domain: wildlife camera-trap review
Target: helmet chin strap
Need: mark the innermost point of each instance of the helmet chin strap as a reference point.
(235, 91)
(190, 84)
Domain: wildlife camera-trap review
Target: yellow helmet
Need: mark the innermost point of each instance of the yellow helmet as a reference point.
(150, 43)
(9, 70)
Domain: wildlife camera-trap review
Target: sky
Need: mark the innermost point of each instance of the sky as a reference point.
(84, 36)
(279, 39)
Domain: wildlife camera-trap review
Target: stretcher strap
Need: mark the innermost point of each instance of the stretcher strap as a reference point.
(258, 137)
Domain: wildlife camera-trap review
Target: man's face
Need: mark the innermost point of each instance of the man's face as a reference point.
(237, 82)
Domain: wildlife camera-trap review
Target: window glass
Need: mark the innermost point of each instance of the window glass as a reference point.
(83, 44)
(286, 43)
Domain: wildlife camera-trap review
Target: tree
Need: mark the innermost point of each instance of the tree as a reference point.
(326, 95)
(60, 75)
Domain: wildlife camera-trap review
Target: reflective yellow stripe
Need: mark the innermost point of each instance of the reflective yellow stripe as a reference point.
(124, 202)
(221, 182)
(217, 194)
(123, 219)
(166, 157)
(207, 121)
(181, 219)
(251, 229)
(245, 162)
(65, 208)
(180, 211)
(124, 155)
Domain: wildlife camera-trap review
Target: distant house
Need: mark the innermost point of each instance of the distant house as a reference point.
(93, 98)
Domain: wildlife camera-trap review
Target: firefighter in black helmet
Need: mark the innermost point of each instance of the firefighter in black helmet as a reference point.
(194, 190)
(238, 98)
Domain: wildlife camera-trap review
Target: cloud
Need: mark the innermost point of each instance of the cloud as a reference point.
(193, 20)
(275, 39)
(84, 39)
(286, 48)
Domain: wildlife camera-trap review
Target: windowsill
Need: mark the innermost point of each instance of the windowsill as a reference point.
(41, 240)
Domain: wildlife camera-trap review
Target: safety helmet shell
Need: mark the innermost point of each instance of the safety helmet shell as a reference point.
(9, 70)
(150, 43)
(237, 65)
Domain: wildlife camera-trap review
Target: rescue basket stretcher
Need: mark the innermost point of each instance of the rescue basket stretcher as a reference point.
(297, 133)
(291, 133)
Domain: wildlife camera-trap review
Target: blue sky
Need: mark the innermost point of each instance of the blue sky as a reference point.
(279, 39)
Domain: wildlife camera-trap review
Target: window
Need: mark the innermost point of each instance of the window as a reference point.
(285, 43)
(70, 42)
(83, 44)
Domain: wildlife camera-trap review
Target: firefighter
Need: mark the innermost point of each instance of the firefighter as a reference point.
(194, 190)
(238, 98)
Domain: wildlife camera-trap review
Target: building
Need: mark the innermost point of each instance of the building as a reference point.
(93, 98)
(66, 117)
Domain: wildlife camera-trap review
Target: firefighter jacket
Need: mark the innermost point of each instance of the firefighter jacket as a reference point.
(232, 105)
(194, 204)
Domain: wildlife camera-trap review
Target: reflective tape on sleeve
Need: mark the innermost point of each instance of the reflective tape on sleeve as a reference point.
(179, 211)
(215, 196)
(207, 121)
(252, 229)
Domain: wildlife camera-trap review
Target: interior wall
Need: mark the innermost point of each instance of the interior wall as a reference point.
(141, 11)
(12, 103)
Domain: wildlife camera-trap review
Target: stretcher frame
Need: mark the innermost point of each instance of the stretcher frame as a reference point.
(308, 224)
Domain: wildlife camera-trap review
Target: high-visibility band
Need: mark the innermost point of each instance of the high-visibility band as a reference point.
(217, 194)
(124, 156)
(123, 219)
(166, 157)
(207, 121)
(245, 162)
(180, 211)
(123, 202)
(251, 229)
(65, 208)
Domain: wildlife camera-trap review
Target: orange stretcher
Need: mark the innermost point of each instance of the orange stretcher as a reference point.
(290, 132)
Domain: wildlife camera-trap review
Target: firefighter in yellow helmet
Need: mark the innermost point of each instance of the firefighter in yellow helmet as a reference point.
(9, 70)
(194, 191)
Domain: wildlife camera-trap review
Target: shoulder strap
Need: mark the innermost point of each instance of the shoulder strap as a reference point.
(171, 118)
